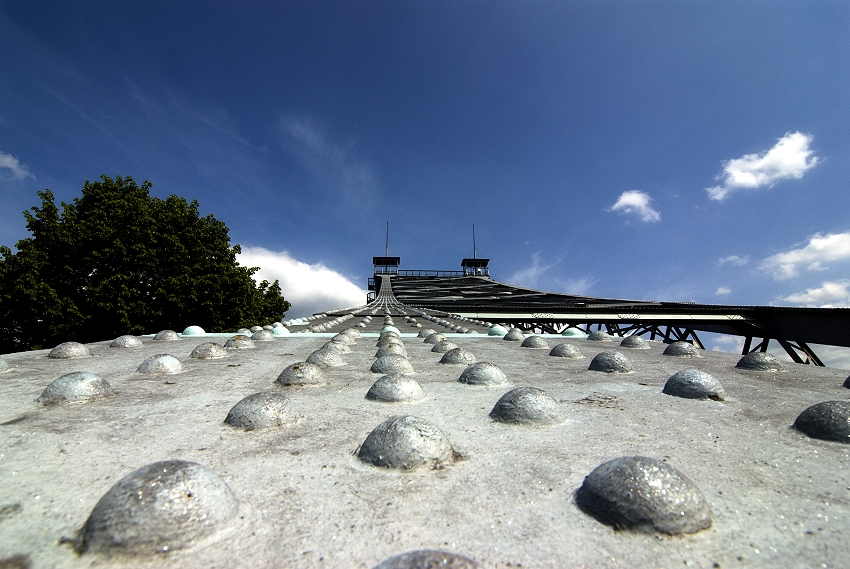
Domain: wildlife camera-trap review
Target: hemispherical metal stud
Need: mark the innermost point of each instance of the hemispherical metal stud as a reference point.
(392, 363)
(514, 335)
(261, 411)
(694, 384)
(566, 350)
(193, 331)
(396, 388)
(829, 421)
(434, 338)
(326, 358)
(76, 387)
(300, 374)
(160, 507)
(406, 443)
(443, 346)
(611, 362)
(166, 336)
(573, 332)
(635, 343)
(760, 361)
(643, 494)
(483, 373)
(240, 342)
(263, 336)
(535, 342)
(457, 356)
(682, 350)
(126, 342)
(161, 363)
(68, 350)
(527, 406)
(209, 351)
(428, 559)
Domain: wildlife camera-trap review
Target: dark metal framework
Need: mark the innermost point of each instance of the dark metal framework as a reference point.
(475, 266)
(482, 298)
(385, 265)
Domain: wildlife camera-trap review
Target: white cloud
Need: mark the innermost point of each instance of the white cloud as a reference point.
(19, 171)
(731, 344)
(635, 201)
(723, 290)
(734, 260)
(831, 294)
(309, 288)
(819, 250)
(790, 157)
(579, 285)
(832, 356)
(530, 276)
(337, 169)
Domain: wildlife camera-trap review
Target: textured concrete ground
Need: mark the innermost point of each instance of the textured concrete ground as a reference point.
(778, 498)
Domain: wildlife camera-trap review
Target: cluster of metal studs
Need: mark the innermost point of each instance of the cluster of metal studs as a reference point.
(633, 492)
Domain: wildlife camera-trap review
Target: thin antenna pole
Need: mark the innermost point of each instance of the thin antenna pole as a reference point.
(473, 242)
(387, 250)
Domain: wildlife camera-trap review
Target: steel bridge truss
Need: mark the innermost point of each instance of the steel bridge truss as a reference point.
(799, 352)
(482, 298)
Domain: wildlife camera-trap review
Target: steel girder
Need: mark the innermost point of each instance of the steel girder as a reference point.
(793, 328)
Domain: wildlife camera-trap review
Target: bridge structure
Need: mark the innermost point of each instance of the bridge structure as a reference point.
(472, 293)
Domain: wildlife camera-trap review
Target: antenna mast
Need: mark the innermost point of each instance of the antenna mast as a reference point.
(387, 250)
(473, 241)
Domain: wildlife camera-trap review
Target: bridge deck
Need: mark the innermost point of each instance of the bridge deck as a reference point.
(778, 497)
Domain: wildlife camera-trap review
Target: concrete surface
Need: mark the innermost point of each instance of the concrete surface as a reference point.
(778, 498)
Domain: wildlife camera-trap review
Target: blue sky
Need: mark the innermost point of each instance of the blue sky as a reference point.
(693, 151)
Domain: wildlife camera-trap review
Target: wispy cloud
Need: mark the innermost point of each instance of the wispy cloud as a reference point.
(831, 294)
(820, 249)
(18, 171)
(724, 290)
(734, 260)
(732, 344)
(790, 157)
(310, 288)
(636, 202)
(336, 167)
(578, 285)
(833, 356)
(530, 276)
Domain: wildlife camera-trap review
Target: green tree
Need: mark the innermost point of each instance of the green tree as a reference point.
(119, 261)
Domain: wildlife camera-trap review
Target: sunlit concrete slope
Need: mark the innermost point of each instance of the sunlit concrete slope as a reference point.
(302, 492)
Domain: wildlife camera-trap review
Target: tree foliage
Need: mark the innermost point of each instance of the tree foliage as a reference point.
(119, 261)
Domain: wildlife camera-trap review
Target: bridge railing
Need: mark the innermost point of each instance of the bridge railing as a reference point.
(418, 273)
(386, 270)
(485, 272)
(380, 271)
